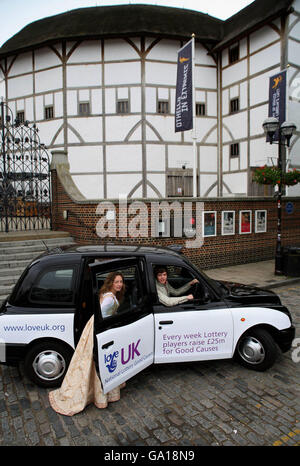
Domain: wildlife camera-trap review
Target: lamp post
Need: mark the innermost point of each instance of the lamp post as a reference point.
(285, 132)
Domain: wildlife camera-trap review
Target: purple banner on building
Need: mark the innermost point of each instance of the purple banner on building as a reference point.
(184, 89)
(277, 98)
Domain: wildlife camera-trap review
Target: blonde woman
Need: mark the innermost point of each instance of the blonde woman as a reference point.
(81, 385)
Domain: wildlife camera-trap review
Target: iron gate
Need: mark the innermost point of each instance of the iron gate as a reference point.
(25, 194)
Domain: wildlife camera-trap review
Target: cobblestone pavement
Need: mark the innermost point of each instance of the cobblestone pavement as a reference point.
(215, 403)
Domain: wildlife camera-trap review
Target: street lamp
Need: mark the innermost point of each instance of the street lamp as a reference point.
(285, 132)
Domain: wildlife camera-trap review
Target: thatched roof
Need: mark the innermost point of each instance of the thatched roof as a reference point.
(144, 20)
(116, 21)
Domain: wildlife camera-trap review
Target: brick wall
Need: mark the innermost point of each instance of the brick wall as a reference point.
(216, 251)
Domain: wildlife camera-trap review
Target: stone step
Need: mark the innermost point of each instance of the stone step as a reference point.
(5, 290)
(50, 242)
(11, 271)
(9, 280)
(37, 248)
(6, 264)
(21, 256)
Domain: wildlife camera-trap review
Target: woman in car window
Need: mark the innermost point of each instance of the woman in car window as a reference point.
(111, 294)
(81, 385)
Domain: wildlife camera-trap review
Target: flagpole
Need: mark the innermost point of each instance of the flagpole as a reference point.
(194, 121)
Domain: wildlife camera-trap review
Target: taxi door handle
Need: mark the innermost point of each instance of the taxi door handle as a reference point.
(107, 345)
(165, 322)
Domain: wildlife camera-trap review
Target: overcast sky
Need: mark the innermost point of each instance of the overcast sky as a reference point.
(15, 14)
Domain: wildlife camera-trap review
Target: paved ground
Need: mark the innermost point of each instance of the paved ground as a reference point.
(215, 403)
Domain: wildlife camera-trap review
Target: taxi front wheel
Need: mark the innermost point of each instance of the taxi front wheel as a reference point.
(47, 362)
(257, 350)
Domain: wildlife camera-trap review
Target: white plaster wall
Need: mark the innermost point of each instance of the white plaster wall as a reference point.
(84, 75)
(179, 156)
(119, 184)
(116, 48)
(47, 130)
(165, 127)
(89, 128)
(124, 158)
(208, 159)
(50, 79)
(237, 182)
(294, 50)
(91, 186)
(72, 105)
(205, 183)
(225, 58)
(243, 155)
(243, 95)
(161, 73)
(262, 38)
(225, 159)
(151, 100)
(45, 58)
(29, 109)
(22, 64)
(262, 153)
(202, 57)
(122, 73)
(203, 128)
(243, 48)
(257, 117)
(135, 99)
(160, 184)
(87, 51)
(118, 127)
(237, 125)
(20, 86)
(87, 159)
(155, 157)
(234, 72)
(259, 87)
(205, 77)
(266, 58)
(165, 50)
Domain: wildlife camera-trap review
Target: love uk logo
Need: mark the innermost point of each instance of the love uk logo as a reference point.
(127, 355)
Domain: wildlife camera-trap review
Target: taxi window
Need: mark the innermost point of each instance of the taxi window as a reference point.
(54, 286)
(127, 299)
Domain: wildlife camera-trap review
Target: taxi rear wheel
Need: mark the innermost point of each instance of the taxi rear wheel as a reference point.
(47, 362)
(257, 350)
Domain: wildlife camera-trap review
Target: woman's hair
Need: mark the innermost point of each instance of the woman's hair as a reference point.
(108, 284)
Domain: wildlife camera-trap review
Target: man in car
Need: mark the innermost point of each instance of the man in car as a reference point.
(165, 290)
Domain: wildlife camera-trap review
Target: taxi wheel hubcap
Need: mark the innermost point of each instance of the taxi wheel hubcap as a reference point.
(251, 350)
(49, 365)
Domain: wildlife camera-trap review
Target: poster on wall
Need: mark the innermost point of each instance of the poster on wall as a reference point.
(228, 222)
(209, 223)
(245, 221)
(260, 221)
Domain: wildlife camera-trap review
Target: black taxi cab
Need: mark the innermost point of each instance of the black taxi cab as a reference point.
(42, 319)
